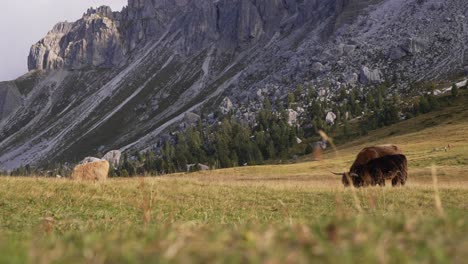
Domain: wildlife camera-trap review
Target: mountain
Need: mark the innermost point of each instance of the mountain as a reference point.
(122, 80)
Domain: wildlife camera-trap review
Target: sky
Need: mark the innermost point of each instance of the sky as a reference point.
(24, 22)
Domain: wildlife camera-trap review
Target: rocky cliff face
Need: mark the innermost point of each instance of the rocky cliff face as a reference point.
(102, 37)
(93, 41)
(120, 80)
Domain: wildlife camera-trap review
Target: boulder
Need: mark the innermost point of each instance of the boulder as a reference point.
(396, 53)
(317, 67)
(199, 166)
(368, 76)
(91, 171)
(226, 106)
(191, 119)
(414, 45)
(330, 119)
(113, 157)
(346, 50)
(260, 93)
(203, 167)
(292, 117)
(349, 49)
(350, 78)
(89, 160)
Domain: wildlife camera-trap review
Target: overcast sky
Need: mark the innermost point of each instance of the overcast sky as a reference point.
(24, 22)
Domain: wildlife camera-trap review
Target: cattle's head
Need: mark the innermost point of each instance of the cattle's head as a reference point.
(348, 177)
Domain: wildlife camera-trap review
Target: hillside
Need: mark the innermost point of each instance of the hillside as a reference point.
(422, 138)
(124, 80)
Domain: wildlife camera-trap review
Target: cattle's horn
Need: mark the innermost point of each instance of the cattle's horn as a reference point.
(336, 173)
(354, 175)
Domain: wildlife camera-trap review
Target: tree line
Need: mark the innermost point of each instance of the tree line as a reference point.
(226, 144)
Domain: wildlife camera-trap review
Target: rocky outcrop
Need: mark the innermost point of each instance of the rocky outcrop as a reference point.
(102, 38)
(93, 41)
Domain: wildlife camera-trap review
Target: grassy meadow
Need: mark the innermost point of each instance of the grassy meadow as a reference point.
(290, 213)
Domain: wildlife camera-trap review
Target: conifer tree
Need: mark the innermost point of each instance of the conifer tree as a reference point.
(454, 90)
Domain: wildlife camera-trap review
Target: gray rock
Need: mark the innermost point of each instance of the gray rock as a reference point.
(199, 166)
(93, 40)
(89, 160)
(368, 76)
(346, 50)
(259, 93)
(317, 67)
(226, 106)
(190, 119)
(113, 157)
(414, 45)
(292, 117)
(330, 118)
(350, 78)
(203, 167)
(396, 53)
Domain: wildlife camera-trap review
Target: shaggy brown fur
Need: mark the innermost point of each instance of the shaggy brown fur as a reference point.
(95, 171)
(370, 153)
(376, 171)
(356, 175)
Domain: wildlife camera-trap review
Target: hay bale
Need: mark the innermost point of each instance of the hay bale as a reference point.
(94, 171)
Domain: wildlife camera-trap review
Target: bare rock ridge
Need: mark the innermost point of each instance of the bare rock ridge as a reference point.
(101, 37)
(94, 40)
(122, 80)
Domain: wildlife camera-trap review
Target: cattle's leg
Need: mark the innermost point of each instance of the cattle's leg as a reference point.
(376, 177)
(396, 180)
(400, 179)
(380, 179)
(404, 176)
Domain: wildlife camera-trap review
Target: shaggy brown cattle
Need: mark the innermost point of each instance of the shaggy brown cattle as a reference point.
(376, 171)
(356, 174)
(96, 171)
(392, 167)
